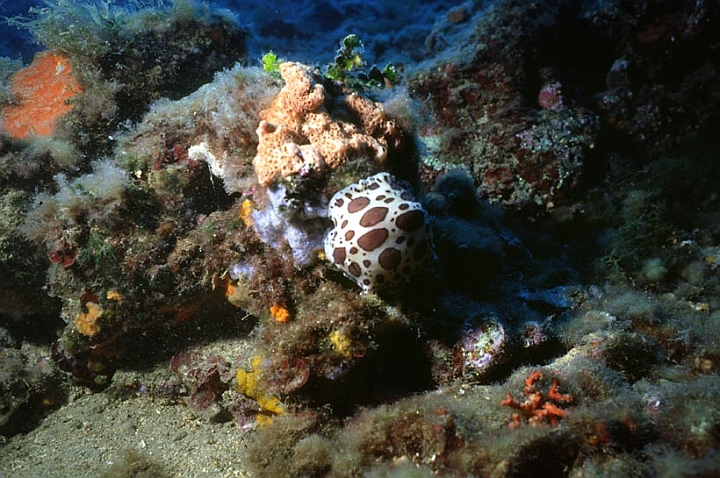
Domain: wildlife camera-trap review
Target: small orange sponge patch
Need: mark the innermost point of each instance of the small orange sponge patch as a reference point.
(41, 91)
(87, 323)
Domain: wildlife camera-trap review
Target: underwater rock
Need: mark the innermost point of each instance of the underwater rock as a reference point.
(481, 347)
(30, 386)
(556, 299)
(522, 95)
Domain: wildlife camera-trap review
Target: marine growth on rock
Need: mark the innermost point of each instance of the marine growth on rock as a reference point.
(381, 236)
(305, 130)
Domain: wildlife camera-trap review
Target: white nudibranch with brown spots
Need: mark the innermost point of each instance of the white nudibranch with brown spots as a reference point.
(382, 236)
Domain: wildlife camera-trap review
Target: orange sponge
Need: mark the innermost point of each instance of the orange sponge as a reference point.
(41, 90)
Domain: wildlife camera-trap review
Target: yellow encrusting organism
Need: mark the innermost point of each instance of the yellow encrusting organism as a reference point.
(87, 322)
(248, 383)
(279, 313)
(341, 343)
(246, 210)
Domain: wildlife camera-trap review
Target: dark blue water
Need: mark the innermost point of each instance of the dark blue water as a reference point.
(304, 30)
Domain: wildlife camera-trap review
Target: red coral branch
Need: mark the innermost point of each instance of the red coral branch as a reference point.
(537, 407)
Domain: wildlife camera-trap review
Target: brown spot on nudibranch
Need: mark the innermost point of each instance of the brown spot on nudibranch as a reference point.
(358, 204)
(339, 255)
(373, 239)
(390, 258)
(411, 220)
(373, 215)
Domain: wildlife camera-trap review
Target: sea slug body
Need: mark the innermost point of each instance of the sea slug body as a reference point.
(381, 236)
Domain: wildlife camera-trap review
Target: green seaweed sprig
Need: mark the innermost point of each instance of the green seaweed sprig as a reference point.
(348, 67)
(347, 58)
(271, 63)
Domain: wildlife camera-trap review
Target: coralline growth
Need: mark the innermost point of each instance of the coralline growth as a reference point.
(41, 91)
(538, 407)
(301, 134)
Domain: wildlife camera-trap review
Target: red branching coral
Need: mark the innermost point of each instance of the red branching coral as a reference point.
(537, 407)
